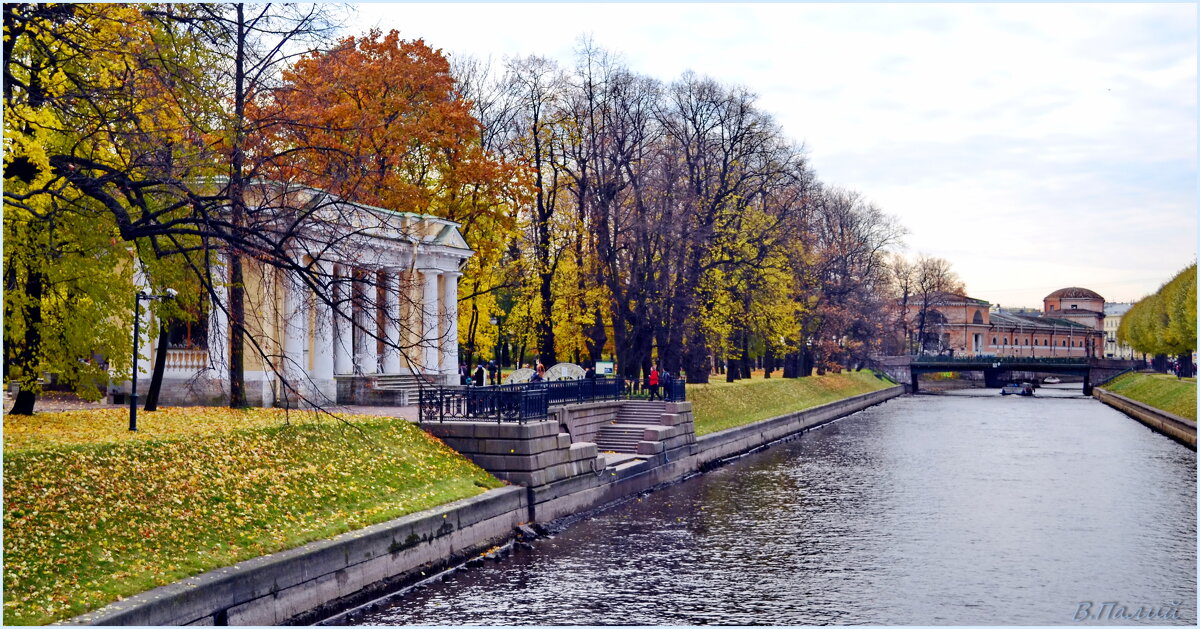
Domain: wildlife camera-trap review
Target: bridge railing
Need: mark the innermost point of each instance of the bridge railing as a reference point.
(1003, 360)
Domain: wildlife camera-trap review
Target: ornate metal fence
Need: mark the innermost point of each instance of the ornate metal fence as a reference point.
(532, 400)
(508, 402)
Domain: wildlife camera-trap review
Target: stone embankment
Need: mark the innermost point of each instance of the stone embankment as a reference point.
(1173, 426)
(557, 470)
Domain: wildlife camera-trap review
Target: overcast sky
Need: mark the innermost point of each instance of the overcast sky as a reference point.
(1033, 146)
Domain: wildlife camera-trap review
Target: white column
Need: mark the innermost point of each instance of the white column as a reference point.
(343, 291)
(218, 321)
(450, 309)
(429, 327)
(295, 337)
(366, 352)
(323, 338)
(391, 321)
(145, 347)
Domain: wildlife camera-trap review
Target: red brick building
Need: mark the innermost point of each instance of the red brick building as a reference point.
(1070, 325)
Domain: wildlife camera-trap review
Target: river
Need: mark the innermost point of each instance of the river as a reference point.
(961, 508)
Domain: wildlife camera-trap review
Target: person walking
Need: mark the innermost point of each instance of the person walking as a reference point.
(653, 382)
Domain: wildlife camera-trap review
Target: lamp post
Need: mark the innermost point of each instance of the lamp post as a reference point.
(137, 320)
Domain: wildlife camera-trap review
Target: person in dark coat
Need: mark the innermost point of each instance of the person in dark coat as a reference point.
(479, 376)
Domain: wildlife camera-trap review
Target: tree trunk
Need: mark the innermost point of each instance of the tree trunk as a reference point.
(237, 202)
(237, 333)
(596, 338)
(545, 326)
(695, 361)
(26, 398)
(160, 366)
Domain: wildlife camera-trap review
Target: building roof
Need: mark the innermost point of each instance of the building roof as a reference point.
(940, 298)
(1074, 292)
(1008, 319)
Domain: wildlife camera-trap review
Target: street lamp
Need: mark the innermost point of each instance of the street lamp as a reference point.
(170, 293)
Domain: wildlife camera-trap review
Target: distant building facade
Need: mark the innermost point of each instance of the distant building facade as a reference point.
(1070, 325)
(1113, 313)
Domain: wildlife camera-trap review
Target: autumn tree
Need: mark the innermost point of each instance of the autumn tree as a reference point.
(850, 239)
(1165, 322)
(88, 120)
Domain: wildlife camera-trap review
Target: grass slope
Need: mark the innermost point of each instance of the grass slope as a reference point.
(1161, 391)
(93, 513)
(721, 405)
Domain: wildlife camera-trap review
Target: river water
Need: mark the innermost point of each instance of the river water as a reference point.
(963, 508)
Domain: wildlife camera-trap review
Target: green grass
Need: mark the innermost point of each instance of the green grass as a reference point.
(721, 405)
(1161, 391)
(86, 524)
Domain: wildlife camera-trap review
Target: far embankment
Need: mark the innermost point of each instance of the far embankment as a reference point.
(1164, 403)
(1162, 391)
(721, 405)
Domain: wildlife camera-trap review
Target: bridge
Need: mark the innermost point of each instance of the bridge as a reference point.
(907, 369)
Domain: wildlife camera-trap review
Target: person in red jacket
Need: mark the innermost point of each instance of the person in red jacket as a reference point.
(653, 382)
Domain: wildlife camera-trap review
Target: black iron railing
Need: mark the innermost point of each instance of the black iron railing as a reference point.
(506, 402)
(1041, 360)
(532, 400)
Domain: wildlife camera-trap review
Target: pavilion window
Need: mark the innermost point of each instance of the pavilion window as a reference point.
(189, 334)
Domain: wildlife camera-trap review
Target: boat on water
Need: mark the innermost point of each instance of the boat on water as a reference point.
(1051, 380)
(1013, 388)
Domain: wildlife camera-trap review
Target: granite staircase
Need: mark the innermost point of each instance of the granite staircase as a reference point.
(628, 430)
(409, 385)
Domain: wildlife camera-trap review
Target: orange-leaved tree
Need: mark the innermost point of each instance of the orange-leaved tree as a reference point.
(378, 120)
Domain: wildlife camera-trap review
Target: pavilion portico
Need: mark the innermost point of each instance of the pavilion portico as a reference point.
(390, 310)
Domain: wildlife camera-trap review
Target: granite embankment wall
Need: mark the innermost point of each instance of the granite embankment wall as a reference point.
(1173, 426)
(558, 476)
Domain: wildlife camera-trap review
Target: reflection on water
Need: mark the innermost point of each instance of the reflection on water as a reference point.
(968, 508)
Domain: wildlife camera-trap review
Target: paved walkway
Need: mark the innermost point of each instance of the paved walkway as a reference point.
(400, 412)
(54, 401)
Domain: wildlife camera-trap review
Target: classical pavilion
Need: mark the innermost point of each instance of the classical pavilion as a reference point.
(393, 317)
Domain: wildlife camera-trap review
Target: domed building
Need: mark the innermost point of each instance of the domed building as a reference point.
(1079, 305)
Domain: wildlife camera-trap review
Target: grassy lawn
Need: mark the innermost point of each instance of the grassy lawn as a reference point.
(94, 513)
(1158, 390)
(721, 405)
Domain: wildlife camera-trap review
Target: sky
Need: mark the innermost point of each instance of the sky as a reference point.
(1034, 146)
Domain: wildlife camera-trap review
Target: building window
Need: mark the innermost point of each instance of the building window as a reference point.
(993, 340)
(1006, 340)
(978, 318)
(1064, 343)
(1074, 306)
